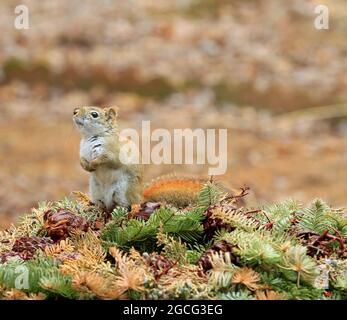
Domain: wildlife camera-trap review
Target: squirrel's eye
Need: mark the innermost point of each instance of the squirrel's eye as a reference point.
(75, 112)
(94, 114)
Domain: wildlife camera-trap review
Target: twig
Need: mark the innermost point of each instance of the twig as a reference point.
(242, 194)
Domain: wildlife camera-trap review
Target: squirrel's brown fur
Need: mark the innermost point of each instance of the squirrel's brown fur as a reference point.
(180, 191)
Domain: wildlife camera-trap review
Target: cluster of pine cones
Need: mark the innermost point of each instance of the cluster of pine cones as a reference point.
(58, 225)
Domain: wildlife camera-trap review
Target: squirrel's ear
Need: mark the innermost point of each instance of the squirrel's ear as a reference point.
(111, 113)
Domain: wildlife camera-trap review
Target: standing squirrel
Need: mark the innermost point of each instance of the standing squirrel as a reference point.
(111, 182)
(114, 183)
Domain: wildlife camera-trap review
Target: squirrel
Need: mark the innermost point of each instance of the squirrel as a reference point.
(114, 183)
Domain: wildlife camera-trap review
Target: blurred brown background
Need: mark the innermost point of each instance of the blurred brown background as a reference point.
(256, 67)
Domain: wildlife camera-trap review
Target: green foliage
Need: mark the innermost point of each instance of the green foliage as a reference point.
(237, 295)
(341, 282)
(268, 254)
(178, 250)
(296, 259)
(279, 210)
(38, 275)
(9, 271)
(119, 214)
(254, 249)
(209, 195)
(172, 248)
(238, 220)
(280, 215)
(57, 284)
(338, 221)
(315, 217)
(294, 292)
(289, 289)
(32, 224)
(220, 276)
(134, 232)
(195, 251)
(259, 252)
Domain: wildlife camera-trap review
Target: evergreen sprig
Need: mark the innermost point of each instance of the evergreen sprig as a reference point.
(209, 194)
(134, 232)
(39, 275)
(315, 217)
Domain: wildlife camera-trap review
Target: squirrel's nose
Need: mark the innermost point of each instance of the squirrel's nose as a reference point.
(79, 121)
(75, 112)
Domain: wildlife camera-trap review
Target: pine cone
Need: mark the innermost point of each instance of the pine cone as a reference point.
(145, 210)
(27, 246)
(211, 225)
(4, 256)
(321, 245)
(60, 224)
(159, 265)
(68, 256)
(221, 246)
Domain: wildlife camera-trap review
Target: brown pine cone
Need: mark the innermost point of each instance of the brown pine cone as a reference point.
(159, 265)
(145, 210)
(321, 245)
(211, 225)
(60, 224)
(4, 256)
(220, 246)
(27, 246)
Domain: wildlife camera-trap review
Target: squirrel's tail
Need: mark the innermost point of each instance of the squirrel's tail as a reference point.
(180, 191)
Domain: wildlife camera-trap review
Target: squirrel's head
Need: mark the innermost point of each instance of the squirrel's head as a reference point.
(94, 120)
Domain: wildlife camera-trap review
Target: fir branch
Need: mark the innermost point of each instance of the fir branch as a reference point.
(296, 259)
(171, 248)
(39, 275)
(185, 226)
(315, 217)
(209, 195)
(221, 274)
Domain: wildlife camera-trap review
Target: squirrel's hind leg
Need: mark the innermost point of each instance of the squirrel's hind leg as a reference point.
(117, 195)
(96, 192)
(127, 190)
(134, 192)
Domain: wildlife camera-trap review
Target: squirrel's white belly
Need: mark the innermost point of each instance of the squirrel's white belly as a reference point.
(91, 148)
(112, 186)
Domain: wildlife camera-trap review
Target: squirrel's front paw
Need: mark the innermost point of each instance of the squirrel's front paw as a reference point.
(86, 165)
(94, 164)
